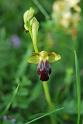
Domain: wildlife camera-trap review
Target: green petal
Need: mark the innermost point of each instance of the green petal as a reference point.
(52, 57)
(34, 59)
(26, 28)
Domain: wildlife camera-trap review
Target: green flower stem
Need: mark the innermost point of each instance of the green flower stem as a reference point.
(45, 84)
(35, 47)
(30, 33)
(49, 101)
(35, 34)
(47, 95)
(34, 43)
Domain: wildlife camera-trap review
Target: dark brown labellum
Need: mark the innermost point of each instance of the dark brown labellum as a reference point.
(44, 70)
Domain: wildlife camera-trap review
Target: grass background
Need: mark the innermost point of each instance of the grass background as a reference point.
(16, 47)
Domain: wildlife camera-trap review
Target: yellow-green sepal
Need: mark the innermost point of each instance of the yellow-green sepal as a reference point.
(52, 57)
(34, 59)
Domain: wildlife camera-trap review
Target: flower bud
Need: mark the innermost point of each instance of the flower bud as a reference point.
(28, 15)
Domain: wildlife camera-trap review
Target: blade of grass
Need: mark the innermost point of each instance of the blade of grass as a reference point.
(43, 11)
(46, 114)
(78, 87)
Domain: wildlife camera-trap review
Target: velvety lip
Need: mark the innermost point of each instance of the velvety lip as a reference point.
(44, 70)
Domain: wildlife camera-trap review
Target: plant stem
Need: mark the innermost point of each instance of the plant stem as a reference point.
(34, 42)
(35, 47)
(47, 95)
(48, 99)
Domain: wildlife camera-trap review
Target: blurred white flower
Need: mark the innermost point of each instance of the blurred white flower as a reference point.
(60, 7)
(63, 15)
(66, 19)
(72, 3)
(75, 19)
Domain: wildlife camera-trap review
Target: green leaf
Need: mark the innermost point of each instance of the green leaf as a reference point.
(23, 91)
(78, 87)
(23, 65)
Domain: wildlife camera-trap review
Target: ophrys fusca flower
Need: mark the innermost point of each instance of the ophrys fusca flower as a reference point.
(43, 60)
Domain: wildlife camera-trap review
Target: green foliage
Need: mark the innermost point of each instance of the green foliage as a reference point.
(21, 95)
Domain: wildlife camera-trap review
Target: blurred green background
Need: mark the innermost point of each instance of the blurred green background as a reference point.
(16, 47)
